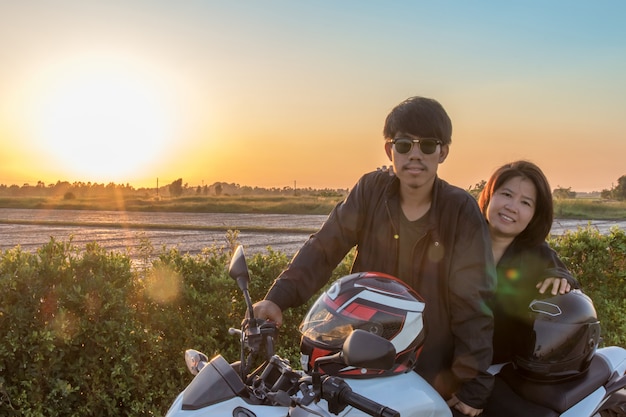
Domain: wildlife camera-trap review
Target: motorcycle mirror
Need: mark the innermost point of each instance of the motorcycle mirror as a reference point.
(195, 360)
(238, 269)
(363, 349)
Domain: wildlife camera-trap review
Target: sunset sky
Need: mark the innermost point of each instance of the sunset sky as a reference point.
(268, 93)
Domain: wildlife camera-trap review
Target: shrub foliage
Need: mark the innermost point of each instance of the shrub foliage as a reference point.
(598, 261)
(87, 333)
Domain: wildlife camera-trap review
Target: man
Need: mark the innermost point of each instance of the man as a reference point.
(430, 234)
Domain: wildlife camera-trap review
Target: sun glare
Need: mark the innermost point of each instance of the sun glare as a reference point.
(102, 119)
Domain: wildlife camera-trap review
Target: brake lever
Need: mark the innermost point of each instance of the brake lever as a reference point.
(307, 403)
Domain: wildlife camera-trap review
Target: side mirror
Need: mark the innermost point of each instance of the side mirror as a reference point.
(238, 268)
(363, 349)
(195, 361)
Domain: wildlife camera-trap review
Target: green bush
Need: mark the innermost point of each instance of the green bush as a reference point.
(86, 332)
(72, 344)
(598, 261)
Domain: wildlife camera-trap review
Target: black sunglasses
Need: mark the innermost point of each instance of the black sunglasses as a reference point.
(404, 145)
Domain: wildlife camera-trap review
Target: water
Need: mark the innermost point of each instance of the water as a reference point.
(560, 226)
(178, 229)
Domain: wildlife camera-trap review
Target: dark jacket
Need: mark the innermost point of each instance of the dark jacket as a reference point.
(454, 274)
(519, 270)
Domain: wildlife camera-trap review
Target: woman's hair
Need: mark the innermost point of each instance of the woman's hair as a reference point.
(541, 223)
(419, 116)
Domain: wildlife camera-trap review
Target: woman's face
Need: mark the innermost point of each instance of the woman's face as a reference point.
(512, 207)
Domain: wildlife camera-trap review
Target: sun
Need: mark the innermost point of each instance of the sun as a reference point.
(104, 119)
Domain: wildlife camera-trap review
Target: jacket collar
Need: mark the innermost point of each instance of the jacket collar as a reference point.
(392, 199)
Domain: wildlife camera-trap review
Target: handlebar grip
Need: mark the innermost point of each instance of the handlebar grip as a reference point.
(366, 405)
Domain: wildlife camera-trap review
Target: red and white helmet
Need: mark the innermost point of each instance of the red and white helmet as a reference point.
(371, 301)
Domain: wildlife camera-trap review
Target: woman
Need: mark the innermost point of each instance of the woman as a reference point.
(517, 204)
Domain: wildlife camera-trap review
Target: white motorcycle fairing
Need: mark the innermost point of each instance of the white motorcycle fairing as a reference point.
(217, 391)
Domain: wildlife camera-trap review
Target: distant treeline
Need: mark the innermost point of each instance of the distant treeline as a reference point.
(178, 188)
(616, 192)
(68, 191)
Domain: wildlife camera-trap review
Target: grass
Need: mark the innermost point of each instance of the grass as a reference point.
(595, 209)
(307, 204)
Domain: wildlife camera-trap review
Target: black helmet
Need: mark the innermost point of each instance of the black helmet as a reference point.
(560, 339)
(371, 301)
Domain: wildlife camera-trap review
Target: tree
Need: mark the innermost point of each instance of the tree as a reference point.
(477, 189)
(606, 194)
(619, 192)
(176, 188)
(562, 193)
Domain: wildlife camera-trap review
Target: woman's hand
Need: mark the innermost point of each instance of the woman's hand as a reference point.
(559, 286)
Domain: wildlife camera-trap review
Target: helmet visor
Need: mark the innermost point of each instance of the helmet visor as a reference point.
(555, 342)
(324, 326)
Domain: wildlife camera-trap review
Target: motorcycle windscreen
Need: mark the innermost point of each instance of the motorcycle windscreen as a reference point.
(216, 382)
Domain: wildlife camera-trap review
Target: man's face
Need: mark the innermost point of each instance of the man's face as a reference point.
(416, 168)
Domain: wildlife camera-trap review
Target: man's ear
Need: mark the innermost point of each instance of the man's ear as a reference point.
(388, 149)
(443, 153)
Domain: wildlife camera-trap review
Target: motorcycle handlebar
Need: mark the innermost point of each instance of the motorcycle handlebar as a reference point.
(338, 392)
(367, 406)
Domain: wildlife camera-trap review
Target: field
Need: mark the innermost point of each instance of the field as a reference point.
(307, 204)
(597, 209)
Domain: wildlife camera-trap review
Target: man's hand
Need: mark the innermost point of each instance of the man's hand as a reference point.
(559, 286)
(268, 310)
(463, 408)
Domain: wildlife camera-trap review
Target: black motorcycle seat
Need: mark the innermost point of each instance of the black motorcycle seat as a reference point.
(557, 395)
(504, 402)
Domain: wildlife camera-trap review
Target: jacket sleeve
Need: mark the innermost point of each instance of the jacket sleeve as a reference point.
(472, 284)
(311, 267)
(554, 267)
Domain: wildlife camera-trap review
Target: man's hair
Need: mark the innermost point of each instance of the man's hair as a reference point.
(541, 223)
(419, 116)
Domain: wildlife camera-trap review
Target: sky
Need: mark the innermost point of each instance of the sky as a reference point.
(279, 93)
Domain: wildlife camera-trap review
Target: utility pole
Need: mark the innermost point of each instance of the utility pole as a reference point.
(157, 187)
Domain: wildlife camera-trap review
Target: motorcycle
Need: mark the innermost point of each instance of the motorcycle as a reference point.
(275, 389)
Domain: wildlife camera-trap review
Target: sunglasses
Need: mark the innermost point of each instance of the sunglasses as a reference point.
(404, 145)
